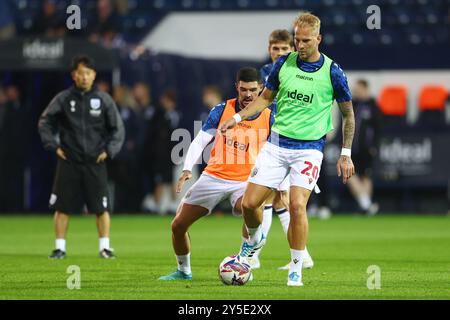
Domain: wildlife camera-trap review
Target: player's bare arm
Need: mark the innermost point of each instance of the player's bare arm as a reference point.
(185, 176)
(262, 102)
(345, 165)
(193, 154)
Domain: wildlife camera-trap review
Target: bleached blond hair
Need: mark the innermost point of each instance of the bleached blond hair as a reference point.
(307, 19)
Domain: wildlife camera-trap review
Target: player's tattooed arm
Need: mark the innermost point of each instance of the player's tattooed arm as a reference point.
(345, 167)
(348, 123)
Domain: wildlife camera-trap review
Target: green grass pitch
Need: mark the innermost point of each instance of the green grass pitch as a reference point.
(413, 253)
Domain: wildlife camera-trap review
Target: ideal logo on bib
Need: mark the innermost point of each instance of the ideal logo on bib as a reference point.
(300, 96)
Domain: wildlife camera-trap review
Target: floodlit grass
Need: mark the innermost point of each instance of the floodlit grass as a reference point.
(413, 253)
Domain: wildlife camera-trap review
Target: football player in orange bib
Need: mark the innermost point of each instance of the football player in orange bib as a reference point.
(232, 158)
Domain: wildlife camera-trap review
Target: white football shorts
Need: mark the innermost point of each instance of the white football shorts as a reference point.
(274, 164)
(208, 191)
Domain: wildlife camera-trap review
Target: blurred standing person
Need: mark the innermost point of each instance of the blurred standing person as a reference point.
(106, 18)
(3, 101)
(14, 144)
(365, 146)
(90, 131)
(7, 26)
(3, 150)
(103, 85)
(167, 121)
(211, 97)
(106, 25)
(123, 168)
(146, 113)
(49, 21)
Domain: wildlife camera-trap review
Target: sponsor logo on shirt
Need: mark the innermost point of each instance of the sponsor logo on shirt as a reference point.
(235, 144)
(300, 96)
(304, 77)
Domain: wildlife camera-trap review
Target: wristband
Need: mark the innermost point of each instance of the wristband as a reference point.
(237, 118)
(346, 152)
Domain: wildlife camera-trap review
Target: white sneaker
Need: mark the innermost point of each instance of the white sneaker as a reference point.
(312, 210)
(286, 267)
(254, 262)
(295, 279)
(324, 213)
(308, 263)
(373, 209)
(248, 251)
(149, 204)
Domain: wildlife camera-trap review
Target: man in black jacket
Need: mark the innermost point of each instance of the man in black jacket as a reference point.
(368, 120)
(90, 131)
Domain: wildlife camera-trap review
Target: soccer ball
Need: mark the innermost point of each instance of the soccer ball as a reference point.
(233, 271)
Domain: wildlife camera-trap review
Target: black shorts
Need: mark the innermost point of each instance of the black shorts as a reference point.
(163, 173)
(77, 184)
(363, 162)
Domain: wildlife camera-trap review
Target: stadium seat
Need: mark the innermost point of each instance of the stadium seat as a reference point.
(393, 100)
(432, 100)
(393, 105)
(433, 97)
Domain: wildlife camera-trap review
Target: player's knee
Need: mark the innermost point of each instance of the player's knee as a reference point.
(297, 209)
(178, 227)
(249, 205)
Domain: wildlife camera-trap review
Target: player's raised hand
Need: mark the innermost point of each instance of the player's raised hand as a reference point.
(60, 153)
(345, 168)
(229, 124)
(185, 176)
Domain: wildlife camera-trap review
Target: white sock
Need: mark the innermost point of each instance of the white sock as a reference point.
(297, 257)
(184, 263)
(285, 218)
(364, 201)
(254, 235)
(267, 220)
(61, 244)
(103, 243)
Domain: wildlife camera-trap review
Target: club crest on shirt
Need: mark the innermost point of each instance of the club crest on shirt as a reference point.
(254, 172)
(95, 103)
